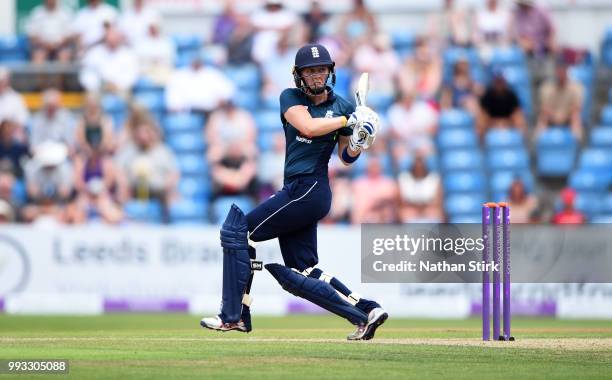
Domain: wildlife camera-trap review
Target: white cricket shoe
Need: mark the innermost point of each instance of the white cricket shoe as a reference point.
(376, 317)
(216, 323)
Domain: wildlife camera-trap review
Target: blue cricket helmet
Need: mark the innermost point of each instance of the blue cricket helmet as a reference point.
(309, 56)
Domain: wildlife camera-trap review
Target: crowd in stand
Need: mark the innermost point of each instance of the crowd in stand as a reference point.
(62, 166)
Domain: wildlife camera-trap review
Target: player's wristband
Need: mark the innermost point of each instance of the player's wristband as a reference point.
(344, 121)
(347, 157)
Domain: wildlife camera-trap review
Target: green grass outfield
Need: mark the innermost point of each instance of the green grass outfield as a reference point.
(168, 346)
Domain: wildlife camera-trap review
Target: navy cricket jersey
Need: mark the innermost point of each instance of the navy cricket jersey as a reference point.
(304, 155)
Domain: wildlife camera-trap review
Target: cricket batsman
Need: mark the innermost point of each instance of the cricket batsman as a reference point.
(314, 120)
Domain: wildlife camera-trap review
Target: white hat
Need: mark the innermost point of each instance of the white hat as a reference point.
(51, 153)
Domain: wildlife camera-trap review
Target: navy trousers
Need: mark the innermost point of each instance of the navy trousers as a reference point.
(291, 215)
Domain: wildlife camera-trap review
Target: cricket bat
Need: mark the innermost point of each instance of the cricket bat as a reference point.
(362, 89)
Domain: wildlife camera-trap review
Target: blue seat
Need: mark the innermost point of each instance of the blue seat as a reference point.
(601, 137)
(500, 181)
(463, 182)
(602, 218)
(596, 159)
(606, 206)
(249, 100)
(344, 77)
(588, 203)
(153, 101)
(457, 138)
(403, 38)
(189, 211)
(195, 188)
(359, 168)
(245, 77)
(268, 121)
(146, 85)
(406, 162)
(221, 206)
(503, 138)
(116, 108)
(556, 150)
(186, 143)
(463, 159)
(589, 180)
(610, 96)
(463, 204)
(606, 115)
(380, 102)
(184, 42)
(143, 211)
(516, 76)
(183, 122)
(13, 49)
(508, 159)
(456, 118)
(192, 165)
(509, 56)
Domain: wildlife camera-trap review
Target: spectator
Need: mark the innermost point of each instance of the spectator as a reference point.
(522, 204)
(92, 21)
(46, 29)
(49, 174)
(561, 102)
(500, 107)
(94, 126)
(342, 201)
(377, 58)
(52, 122)
(462, 91)
(533, 29)
(314, 20)
(270, 168)
(240, 44)
(421, 194)
(569, 214)
(156, 55)
(13, 153)
(421, 72)
(230, 125)
(358, 24)
(12, 105)
(95, 163)
(373, 194)
(225, 24)
(234, 172)
(110, 67)
(276, 77)
(198, 88)
(149, 167)
(413, 125)
(492, 29)
(269, 22)
(134, 23)
(449, 27)
(93, 203)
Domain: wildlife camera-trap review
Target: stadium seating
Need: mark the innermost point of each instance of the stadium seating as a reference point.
(192, 164)
(183, 122)
(556, 150)
(221, 206)
(187, 211)
(606, 115)
(455, 118)
(515, 159)
(462, 159)
(457, 139)
(464, 182)
(13, 49)
(509, 56)
(601, 137)
(186, 143)
(143, 211)
(596, 159)
(195, 188)
(464, 204)
(268, 121)
(500, 138)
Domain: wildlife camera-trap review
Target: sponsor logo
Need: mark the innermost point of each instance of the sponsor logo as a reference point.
(14, 266)
(303, 139)
(329, 114)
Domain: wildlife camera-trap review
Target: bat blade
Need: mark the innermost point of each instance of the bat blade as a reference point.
(362, 89)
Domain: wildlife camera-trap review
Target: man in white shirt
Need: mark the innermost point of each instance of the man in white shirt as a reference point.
(110, 66)
(52, 122)
(49, 37)
(12, 105)
(269, 22)
(90, 22)
(156, 55)
(198, 88)
(413, 125)
(134, 23)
